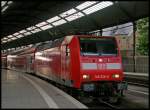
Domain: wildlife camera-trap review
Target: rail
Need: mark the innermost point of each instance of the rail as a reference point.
(140, 79)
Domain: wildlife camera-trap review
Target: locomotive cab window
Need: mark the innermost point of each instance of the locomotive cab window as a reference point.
(98, 46)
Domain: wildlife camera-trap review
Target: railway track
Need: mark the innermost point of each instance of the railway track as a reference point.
(138, 84)
(139, 81)
(108, 104)
(97, 103)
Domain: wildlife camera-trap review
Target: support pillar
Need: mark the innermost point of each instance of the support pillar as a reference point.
(134, 46)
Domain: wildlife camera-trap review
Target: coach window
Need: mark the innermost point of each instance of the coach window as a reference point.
(67, 50)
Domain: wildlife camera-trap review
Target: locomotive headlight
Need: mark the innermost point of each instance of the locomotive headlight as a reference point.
(85, 76)
(115, 75)
(100, 60)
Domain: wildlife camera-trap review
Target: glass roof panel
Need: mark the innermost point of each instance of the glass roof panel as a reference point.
(4, 41)
(53, 19)
(62, 21)
(41, 24)
(31, 28)
(35, 30)
(97, 7)
(4, 8)
(85, 5)
(5, 38)
(22, 31)
(9, 40)
(13, 38)
(27, 33)
(46, 27)
(74, 16)
(10, 36)
(9, 2)
(71, 11)
(3, 3)
(15, 34)
(19, 36)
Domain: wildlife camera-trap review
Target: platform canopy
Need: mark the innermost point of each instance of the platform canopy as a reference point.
(25, 23)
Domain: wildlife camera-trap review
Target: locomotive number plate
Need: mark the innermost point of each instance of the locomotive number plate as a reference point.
(101, 76)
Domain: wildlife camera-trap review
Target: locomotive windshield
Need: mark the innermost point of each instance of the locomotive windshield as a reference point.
(98, 46)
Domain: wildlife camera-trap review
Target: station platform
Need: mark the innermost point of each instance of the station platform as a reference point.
(136, 74)
(21, 90)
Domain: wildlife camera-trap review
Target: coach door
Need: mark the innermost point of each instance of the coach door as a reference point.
(29, 63)
(65, 60)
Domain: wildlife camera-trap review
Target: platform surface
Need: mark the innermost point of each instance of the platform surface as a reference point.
(21, 90)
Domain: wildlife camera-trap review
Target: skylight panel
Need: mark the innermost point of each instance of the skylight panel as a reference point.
(62, 21)
(3, 3)
(19, 36)
(9, 40)
(15, 34)
(41, 24)
(13, 38)
(74, 16)
(5, 38)
(10, 36)
(4, 8)
(85, 5)
(69, 12)
(35, 30)
(27, 33)
(9, 2)
(46, 27)
(4, 41)
(31, 28)
(53, 19)
(97, 7)
(23, 31)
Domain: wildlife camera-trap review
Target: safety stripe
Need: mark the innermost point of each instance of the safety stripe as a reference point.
(45, 96)
(113, 66)
(89, 66)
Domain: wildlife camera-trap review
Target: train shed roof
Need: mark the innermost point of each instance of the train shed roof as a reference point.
(25, 23)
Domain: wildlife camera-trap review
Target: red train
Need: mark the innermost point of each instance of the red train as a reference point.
(88, 63)
(4, 60)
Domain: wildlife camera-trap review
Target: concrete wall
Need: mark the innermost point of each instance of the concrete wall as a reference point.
(142, 64)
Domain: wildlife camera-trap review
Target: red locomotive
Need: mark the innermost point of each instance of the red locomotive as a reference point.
(88, 63)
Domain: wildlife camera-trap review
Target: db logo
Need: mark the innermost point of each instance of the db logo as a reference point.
(101, 66)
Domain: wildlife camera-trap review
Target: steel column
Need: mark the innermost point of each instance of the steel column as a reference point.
(134, 46)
